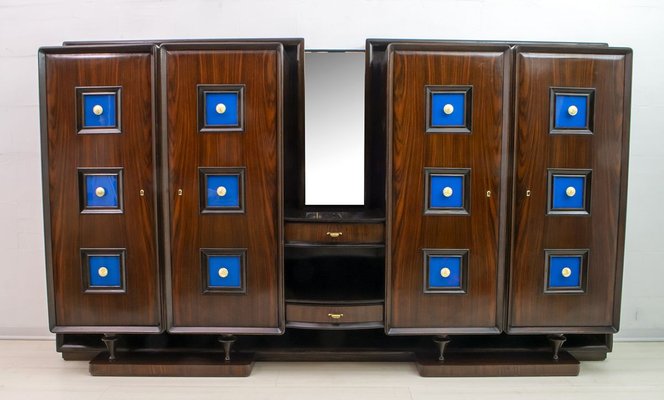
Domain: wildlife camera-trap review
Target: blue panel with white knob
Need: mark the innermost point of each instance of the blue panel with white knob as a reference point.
(448, 109)
(445, 271)
(102, 191)
(223, 191)
(222, 109)
(571, 111)
(565, 271)
(568, 193)
(446, 191)
(105, 270)
(224, 271)
(99, 110)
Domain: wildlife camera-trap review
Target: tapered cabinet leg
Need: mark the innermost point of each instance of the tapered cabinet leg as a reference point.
(227, 341)
(556, 342)
(110, 341)
(441, 342)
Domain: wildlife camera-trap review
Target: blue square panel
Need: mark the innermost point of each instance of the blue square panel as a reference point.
(222, 109)
(101, 191)
(446, 191)
(222, 191)
(448, 109)
(99, 110)
(571, 111)
(105, 270)
(568, 193)
(224, 271)
(445, 272)
(565, 271)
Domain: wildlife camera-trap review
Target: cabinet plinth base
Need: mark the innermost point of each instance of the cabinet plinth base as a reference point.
(172, 364)
(497, 364)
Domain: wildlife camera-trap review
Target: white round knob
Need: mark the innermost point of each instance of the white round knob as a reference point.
(221, 191)
(448, 109)
(97, 110)
(100, 191)
(570, 191)
(566, 272)
(223, 272)
(102, 271)
(445, 272)
(447, 191)
(572, 110)
(220, 108)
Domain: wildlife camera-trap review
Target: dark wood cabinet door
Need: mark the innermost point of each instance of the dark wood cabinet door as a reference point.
(447, 113)
(99, 189)
(222, 124)
(571, 132)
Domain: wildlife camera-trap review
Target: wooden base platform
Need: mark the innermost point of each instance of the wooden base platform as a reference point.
(172, 364)
(455, 365)
(498, 364)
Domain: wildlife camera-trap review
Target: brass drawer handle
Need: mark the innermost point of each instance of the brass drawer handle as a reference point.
(97, 109)
(334, 235)
(335, 316)
(572, 111)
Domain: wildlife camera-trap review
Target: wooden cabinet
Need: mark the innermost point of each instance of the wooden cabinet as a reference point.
(447, 111)
(571, 131)
(100, 189)
(173, 176)
(222, 153)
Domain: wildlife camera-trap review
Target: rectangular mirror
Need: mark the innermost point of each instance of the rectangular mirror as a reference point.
(334, 127)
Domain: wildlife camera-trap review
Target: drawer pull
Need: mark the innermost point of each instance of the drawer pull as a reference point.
(445, 272)
(570, 191)
(448, 109)
(221, 191)
(100, 191)
(97, 110)
(335, 316)
(572, 110)
(103, 272)
(566, 272)
(220, 108)
(223, 272)
(334, 235)
(447, 191)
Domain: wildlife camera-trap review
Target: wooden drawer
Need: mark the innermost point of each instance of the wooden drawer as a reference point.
(330, 314)
(335, 233)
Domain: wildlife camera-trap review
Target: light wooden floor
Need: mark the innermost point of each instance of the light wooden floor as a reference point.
(33, 370)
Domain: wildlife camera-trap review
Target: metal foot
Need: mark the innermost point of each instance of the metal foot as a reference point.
(110, 341)
(441, 342)
(556, 342)
(227, 341)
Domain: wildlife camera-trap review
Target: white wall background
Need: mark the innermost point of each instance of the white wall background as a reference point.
(26, 25)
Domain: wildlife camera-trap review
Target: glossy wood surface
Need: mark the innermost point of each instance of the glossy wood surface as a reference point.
(172, 364)
(321, 313)
(327, 233)
(498, 364)
(605, 152)
(411, 68)
(258, 149)
(67, 229)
